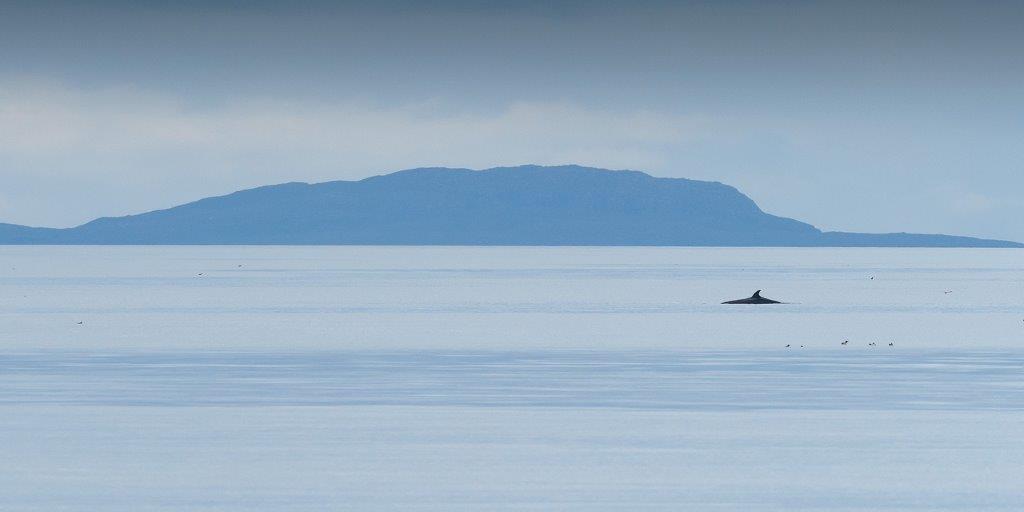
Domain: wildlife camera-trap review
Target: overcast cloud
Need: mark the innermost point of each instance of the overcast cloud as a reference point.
(852, 116)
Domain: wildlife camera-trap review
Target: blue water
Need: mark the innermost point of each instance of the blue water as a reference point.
(855, 378)
(459, 378)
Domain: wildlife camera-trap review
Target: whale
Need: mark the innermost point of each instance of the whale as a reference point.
(756, 298)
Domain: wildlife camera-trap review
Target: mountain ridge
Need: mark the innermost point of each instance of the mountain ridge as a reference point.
(524, 205)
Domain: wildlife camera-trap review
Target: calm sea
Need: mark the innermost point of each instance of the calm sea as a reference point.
(464, 378)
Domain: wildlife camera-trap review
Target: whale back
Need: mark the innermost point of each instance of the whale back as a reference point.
(756, 298)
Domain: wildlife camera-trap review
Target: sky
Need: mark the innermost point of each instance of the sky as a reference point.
(854, 116)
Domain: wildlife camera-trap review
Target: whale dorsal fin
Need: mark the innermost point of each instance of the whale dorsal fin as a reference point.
(756, 295)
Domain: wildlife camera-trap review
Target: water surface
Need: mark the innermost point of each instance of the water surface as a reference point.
(401, 378)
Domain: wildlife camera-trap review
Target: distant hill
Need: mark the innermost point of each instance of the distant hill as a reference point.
(528, 205)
